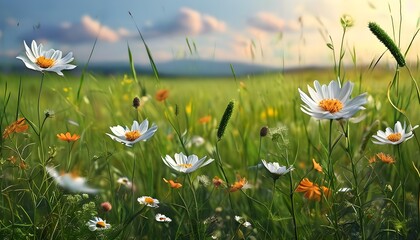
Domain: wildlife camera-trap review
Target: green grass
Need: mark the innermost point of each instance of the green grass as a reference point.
(33, 206)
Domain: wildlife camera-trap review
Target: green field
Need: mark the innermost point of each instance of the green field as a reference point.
(381, 200)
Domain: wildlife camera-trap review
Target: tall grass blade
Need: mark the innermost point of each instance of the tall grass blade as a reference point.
(82, 77)
(149, 53)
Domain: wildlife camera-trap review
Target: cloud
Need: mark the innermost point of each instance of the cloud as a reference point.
(186, 22)
(268, 22)
(73, 33)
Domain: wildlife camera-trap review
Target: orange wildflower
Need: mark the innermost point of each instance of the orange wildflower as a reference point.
(217, 181)
(238, 184)
(162, 95)
(16, 127)
(311, 190)
(173, 184)
(204, 119)
(372, 159)
(385, 158)
(68, 137)
(317, 166)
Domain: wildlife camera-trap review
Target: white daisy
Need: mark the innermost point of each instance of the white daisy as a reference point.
(242, 221)
(125, 182)
(148, 201)
(98, 224)
(275, 169)
(52, 61)
(162, 218)
(70, 181)
(396, 136)
(332, 101)
(137, 133)
(186, 164)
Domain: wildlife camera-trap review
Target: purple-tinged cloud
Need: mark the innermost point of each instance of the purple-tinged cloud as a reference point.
(186, 22)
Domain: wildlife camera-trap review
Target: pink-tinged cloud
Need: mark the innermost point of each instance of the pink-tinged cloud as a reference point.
(73, 33)
(94, 28)
(186, 22)
(269, 22)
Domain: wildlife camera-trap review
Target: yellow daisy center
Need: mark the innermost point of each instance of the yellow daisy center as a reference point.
(100, 224)
(44, 62)
(185, 165)
(149, 200)
(394, 137)
(331, 105)
(132, 135)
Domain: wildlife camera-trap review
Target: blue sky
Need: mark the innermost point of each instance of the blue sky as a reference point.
(270, 32)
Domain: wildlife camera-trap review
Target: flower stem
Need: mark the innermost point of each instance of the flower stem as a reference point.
(269, 216)
(356, 183)
(331, 176)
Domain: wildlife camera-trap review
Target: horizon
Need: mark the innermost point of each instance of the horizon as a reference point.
(271, 34)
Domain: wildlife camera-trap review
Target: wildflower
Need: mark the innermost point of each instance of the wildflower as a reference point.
(148, 201)
(68, 137)
(136, 102)
(162, 95)
(385, 158)
(372, 159)
(98, 224)
(185, 164)
(196, 141)
(239, 184)
(317, 166)
(172, 184)
(270, 112)
(188, 108)
(205, 119)
(242, 221)
(16, 127)
(106, 206)
(263, 131)
(346, 21)
(52, 61)
(311, 190)
(124, 181)
(396, 136)
(137, 133)
(12, 159)
(332, 101)
(70, 181)
(275, 169)
(162, 218)
(217, 182)
(23, 165)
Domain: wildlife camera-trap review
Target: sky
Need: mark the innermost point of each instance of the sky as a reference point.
(268, 32)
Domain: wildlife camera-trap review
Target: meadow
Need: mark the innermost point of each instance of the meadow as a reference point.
(336, 183)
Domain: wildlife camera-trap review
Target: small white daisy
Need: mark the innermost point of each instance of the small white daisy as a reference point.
(70, 181)
(125, 182)
(52, 61)
(98, 224)
(275, 169)
(162, 218)
(185, 164)
(137, 133)
(242, 221)
(394, 136)
(148, 201)
(332, 101)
